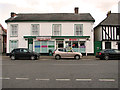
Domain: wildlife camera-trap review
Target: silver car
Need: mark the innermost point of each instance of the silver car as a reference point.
(66, 53)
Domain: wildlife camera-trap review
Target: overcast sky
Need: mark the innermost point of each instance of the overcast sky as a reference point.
(97, 8)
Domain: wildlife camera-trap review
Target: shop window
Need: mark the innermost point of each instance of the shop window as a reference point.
(68, 44)
(82, 44)
(56, 29)
(35, 29)
(75, 44)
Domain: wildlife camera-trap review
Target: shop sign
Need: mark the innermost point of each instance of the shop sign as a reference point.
(43, 38)
(73, 39)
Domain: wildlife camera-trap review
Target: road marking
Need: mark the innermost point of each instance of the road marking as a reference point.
(4, 78)
(22, 78)
(74, 64)
(6, 64)
(62, 79)
(107, 80)
(83, 79)
(43, 79)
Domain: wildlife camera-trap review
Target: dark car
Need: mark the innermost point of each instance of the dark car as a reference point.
(108, 54)
(23, 53)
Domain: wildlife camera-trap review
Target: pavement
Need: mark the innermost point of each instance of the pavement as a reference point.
(52, 57)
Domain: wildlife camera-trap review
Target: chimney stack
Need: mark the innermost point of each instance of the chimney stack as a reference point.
(13, 14)
(76, 10)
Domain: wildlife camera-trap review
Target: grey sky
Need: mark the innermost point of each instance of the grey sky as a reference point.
(98, 8)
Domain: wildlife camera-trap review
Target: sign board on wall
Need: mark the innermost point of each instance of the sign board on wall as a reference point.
(73, 39)
(43, 38)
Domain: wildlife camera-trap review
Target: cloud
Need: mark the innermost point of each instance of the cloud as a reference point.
(98, 8)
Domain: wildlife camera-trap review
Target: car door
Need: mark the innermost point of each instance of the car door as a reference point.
(24, 54)
(113, 54)
(62, 52)
(117, 53)
(69, 53)
(17, 53)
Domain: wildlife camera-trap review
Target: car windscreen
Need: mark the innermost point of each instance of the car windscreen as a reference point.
(62, 50)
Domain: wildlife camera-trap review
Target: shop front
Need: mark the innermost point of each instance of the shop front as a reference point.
(46, 44)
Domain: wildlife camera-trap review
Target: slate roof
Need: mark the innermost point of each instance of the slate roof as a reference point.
(51, 17)
(112, 19)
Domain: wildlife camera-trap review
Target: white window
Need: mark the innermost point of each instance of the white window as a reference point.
(78, 29)
(13, 44)
(14, 30)
(35, 29)
(56, 29)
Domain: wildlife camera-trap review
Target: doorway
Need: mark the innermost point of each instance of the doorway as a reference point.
(118, 46)
(107, 45)
(30, 44)
(59, 44)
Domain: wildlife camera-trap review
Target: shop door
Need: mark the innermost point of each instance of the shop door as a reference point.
(59, 44)
(30, 44)
(97, 46)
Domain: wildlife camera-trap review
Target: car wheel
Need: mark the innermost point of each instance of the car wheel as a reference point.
(106, 57)
(12, 57)
(32, 57)
(77, 57)
(57, 57)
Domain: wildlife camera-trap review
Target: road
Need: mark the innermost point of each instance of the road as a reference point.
(84, 73)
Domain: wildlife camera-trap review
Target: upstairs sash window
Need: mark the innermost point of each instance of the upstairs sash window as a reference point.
(14, 30)
(56, 29)
(35, 29)
(78, 30)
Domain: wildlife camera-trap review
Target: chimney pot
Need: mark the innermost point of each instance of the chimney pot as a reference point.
(76, 10)
(109, 12)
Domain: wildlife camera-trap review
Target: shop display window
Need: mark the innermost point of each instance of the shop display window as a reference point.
(75, 44)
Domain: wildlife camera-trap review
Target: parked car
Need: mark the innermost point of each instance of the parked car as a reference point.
(108, 54)
(66, 53)
(23, 53)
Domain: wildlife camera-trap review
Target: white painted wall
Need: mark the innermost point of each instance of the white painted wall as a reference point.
(24, 29)
(113, 45)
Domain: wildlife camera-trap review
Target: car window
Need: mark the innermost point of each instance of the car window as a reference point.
(109, 51)
(24, 50)
(117, 51)
(62, 50)
(68, 50)
(17, 50)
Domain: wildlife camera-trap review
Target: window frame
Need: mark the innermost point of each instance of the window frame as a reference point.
(80, 32)
(37, 31)
(53, 34)
(13, 30)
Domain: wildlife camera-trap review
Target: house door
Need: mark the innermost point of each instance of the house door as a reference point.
(97, 46)
(118, 46)
(30, 44)
(107, 45)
